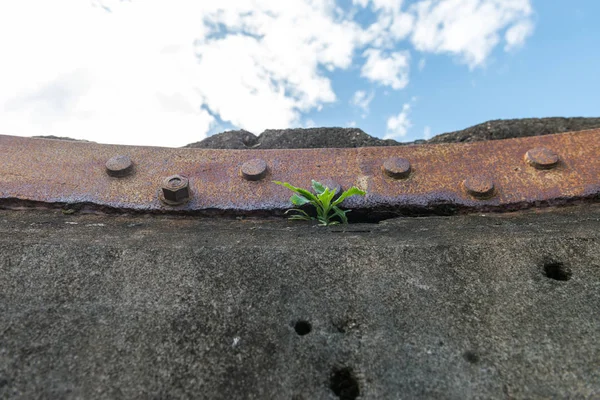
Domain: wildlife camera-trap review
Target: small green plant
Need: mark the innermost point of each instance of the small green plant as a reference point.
(327, 208)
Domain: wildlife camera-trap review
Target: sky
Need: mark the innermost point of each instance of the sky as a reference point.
(172, 72)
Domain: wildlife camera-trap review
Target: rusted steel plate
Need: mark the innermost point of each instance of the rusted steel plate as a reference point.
(494, 175)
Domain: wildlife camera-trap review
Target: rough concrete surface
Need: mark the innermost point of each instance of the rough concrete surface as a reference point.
(310, 138)
(354, 137)
(511, 128)
(465, 307)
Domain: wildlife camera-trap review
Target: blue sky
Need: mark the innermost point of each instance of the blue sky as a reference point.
(169, 73)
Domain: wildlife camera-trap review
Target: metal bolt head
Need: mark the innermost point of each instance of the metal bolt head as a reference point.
(254, 170)
(119, 166)
(175, 190)
(541, 158)
(397, 168)
(479, 187)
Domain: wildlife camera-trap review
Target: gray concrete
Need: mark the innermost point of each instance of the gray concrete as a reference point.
(513, 128)
(172, 307)
(355, 137)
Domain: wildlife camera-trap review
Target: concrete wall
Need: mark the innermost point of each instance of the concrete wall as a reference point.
(465, 307)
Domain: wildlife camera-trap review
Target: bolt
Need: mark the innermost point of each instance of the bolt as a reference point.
(119, 166)
(254, 170)
(541, 158)
(175, 190)
(479, 187)
(397, 168)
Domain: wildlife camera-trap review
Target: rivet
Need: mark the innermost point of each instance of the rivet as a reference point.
(397, 168)
(541, 158)
(479, 187)
(175, 190)
(254, 170)
(119, 166)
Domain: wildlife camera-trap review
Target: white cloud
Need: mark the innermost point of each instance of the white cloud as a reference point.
(150, 73)
(362, 3)
(388, 5)
(391, 24)
(158, 73)
(70, 69)
(468, 28)
(277, 67)
(398, 125)
(422, 63)
(362, 100)
(515, 36)
(351, 124)
(387, 69)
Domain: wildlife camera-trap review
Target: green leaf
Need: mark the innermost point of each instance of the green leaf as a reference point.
(341, 214)
(299, 217)
(311, 197)
(298, 200)
(318, 187)
(350, 192)
(300, 211)
(323, 219)
(323, 202)
(326, 197)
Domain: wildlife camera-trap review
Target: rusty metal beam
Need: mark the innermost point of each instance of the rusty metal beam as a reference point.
(483, 176)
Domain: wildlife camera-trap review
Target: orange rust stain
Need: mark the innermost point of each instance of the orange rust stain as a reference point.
(50, 171)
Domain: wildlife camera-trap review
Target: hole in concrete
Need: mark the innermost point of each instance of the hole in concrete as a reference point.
(302, 327)
(557, 271)
(344, 384)
(471, 356)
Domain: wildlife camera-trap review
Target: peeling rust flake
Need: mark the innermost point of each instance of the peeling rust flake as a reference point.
(497, 175)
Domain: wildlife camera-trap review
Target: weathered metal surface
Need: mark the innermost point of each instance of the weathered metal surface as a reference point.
(119, 166)
(522, 172)
(254, 170)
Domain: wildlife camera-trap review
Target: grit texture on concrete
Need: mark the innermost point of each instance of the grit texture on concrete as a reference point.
(354, 137)
(464, 307)
(512, 128)
(310, 138)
